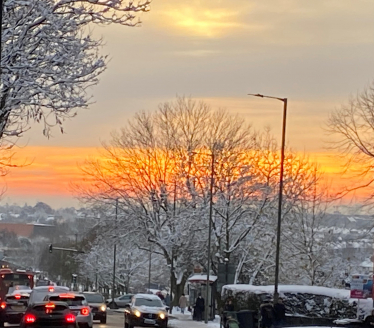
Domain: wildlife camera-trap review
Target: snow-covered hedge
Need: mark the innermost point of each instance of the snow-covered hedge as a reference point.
(302, 301)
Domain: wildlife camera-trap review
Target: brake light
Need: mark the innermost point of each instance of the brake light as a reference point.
(85, 311)
(30, 318)
(70, 318)
(3, 305)
(66, 295)
(51, 289)
(17, 297)
(49, 306)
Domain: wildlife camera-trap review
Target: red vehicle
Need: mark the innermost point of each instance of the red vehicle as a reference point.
(11, 280)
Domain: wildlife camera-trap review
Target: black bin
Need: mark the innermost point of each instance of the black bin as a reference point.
(247, 318)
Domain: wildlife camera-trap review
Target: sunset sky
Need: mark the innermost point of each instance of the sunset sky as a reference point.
(315, 53)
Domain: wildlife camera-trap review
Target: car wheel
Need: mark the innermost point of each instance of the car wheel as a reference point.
(103, 320)
(1, 323)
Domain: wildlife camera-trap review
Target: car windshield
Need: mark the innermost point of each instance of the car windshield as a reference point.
(38, 295)
(154, 302)
(94, 298)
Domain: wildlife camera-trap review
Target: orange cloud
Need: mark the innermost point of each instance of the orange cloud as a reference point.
(49, 171)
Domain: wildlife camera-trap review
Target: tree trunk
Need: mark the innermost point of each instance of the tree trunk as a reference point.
(178, 289)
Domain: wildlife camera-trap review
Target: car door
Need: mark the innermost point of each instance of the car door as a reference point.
(123, 300)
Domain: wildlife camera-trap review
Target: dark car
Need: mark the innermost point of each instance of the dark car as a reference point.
(48, 314)
(145, 310)
(40, 292)
(13, 307)
(77, 304)
(120, 301)
(97, 303)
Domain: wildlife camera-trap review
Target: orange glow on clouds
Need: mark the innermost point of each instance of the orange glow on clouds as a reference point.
(46, 170)
(49, 171)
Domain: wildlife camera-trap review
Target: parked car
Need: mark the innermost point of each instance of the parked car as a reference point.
(120, 301)
(145, 310)
(97, 303)
(48, 314)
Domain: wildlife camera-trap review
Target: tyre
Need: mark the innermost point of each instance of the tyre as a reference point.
(103, 320)
(1, 323)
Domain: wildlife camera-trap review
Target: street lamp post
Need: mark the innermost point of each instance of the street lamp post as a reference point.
(207, 310)
(284, 100)
(114, 256)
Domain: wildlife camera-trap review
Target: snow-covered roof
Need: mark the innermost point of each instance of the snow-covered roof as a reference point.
(295, 289)
(202, 278)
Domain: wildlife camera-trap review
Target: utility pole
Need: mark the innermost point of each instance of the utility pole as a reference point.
(114, 254)
(149, 269)
(280, 197)
(207, 309)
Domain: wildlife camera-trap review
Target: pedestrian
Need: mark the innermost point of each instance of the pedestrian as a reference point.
(199, 307)
(279, 313)
(229, 306)
(267, 313)
(183, 303)
(227, 309)
(167, 299)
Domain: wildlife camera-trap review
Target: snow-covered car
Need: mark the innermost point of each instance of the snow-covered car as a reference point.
(145, 310)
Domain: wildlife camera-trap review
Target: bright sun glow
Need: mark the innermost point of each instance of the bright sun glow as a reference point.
(208, 23)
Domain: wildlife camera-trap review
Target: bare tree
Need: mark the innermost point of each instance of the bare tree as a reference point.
(353, 125)
(49, 59)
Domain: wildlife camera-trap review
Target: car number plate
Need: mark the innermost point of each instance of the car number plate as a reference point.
(150, 321)
(18, 307)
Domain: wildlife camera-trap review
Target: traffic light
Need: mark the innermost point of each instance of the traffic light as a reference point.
(50, 248)
(74, 278)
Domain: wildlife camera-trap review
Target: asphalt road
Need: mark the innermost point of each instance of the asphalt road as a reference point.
(114, 320)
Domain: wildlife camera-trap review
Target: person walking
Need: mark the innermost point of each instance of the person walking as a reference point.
(279, 313)
(199, 307)
(183, 303)
(267, 313)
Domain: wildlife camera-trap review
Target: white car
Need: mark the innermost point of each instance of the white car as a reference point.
(146, 310)
(78, 306)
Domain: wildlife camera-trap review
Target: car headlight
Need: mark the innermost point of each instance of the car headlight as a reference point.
(162, 316)
(103, 308)
(137, 313)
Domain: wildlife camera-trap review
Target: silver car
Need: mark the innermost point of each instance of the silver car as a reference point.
(78, 306)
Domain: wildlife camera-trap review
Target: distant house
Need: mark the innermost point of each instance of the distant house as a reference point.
(28, 230)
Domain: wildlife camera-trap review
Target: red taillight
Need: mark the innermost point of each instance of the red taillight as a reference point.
(17, 297)
(3, 305)
(30, 318)
(51, 289)
(50, 306)
(70, 318)
(85, 311)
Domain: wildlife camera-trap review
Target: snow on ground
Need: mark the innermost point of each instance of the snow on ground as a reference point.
(185, 321)
(180, 320)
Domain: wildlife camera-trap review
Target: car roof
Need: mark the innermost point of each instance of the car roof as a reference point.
(91, 293)
(19, 292)
(46, 288)
(149, 296)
